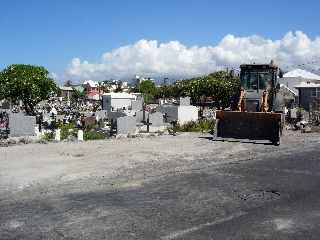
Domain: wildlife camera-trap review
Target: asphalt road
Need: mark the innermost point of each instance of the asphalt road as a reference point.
(270, 197)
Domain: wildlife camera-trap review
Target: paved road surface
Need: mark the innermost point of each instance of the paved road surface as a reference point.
(269, 197)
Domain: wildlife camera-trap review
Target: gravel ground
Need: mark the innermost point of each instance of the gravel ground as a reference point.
(127, 188)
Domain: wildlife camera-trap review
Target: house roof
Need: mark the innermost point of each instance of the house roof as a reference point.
(287, 88)
(91, 83)
(301, 74)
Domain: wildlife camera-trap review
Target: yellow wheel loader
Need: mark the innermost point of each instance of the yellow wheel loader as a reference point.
(258, 114)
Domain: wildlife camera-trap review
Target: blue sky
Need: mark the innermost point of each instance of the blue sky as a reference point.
(52, 33)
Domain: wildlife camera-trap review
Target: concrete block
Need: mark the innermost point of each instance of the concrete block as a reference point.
(187, 114)
(139, 116)
(21, 125)
(156, 119)
(126, 125)
(170, 112)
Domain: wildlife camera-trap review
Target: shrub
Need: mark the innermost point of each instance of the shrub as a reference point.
(49, 136)
(93, 135)
(195, 126)
(67, 130)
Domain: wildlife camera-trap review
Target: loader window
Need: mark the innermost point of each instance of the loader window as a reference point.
(250, 80)
(265, 80)
(255, 80)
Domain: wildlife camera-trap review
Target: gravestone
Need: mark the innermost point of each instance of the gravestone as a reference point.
(293, 113)
(115, 115)
(106, 103)
(156, 119)
(89, 121)
(57, 135)
(139, 116)
(21, 125)
(126, 125)
(103, 114)
(80, 135)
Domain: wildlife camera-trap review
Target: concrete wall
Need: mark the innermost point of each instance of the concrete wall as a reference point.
(112, 104)
(119, 103)
(21, 125)
(182, 114)
(187, 114)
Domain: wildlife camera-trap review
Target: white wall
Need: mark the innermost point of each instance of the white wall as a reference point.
(119, 103)
(187, 114)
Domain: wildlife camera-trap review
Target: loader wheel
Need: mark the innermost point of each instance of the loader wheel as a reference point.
(276, 141)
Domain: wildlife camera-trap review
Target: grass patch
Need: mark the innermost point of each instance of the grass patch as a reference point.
(195, 126)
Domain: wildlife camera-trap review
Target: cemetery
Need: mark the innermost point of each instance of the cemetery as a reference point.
(119, 114)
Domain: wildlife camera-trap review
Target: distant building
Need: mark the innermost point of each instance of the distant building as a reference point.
(66, 92)
(309, 93)
(92, 90)
(304, 84)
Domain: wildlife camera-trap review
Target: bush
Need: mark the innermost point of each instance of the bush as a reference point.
(93, 135)
(195, 126)
(49, 136)
(68, 130)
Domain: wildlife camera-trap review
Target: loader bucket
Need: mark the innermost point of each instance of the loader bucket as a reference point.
(249, 125)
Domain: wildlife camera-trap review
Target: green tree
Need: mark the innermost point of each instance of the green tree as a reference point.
(148, 89)
(221, 86)
(30, 84)
(78, 94)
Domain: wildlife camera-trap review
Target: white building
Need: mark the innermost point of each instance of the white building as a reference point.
(117, 101)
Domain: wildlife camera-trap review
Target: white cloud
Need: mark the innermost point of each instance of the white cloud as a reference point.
(173, 59)
(54, 75)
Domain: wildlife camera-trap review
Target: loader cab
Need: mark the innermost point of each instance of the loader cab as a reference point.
(255, 79)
